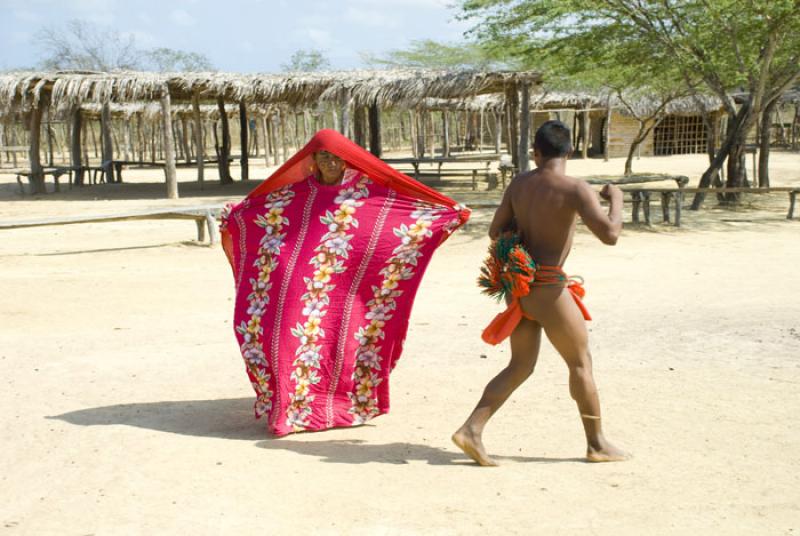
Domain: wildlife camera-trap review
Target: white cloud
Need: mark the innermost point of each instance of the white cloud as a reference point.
(182, 17)
(364, 17)
(143, 39)
(321, 38)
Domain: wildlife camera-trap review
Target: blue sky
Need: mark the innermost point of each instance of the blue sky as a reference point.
(239, 35)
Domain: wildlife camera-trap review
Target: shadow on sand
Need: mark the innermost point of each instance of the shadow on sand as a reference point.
(232, 418)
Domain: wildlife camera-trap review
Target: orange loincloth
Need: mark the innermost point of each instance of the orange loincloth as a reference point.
(504, 323)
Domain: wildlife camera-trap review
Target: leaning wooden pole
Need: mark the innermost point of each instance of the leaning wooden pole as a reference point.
(524, 128)
(107, 143)
(198, 139)
(75, 145)
(244, 129)
(225, 149)
(169, 145)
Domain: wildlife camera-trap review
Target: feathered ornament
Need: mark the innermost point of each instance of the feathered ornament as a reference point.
(508, 270)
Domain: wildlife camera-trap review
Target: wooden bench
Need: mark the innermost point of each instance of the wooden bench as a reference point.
(203, 216)
(641, 197)
(55, 172)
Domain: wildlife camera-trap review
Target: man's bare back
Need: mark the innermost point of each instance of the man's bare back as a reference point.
(542, 207)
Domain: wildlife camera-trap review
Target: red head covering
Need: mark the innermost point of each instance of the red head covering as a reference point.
(302, 164)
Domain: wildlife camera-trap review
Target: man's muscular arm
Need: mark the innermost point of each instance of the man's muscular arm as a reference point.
(503, 217)
(604, 226)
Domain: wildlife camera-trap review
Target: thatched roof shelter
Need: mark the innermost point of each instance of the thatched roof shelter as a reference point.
(346, 90)
(366, 88)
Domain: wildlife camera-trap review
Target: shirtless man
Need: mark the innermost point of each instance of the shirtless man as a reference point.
(542, 206)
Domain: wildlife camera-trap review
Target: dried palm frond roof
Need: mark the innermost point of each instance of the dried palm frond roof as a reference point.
(385, 87)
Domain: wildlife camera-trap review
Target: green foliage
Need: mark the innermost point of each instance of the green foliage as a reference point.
(169, 60)
(726, 44)
(307, 61)
(430, 54)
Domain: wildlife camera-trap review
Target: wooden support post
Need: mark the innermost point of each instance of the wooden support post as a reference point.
(169, 146)
(360, 126)
(224, 164)
(75, 145)
(49, 130)
(266, 138)
(586, 136)
(375, 130)
(36, 178)
(498, 132)
(512, 112)
(344, 107)
(646, 207)
(481, 124)
(282, 134)
(607, 130)
(636, 198)
(524, 129)
(445, 133)
(678, 208)
(198, 139)
(792, 200)
(187, 154)
(244, 129)
(665, 198)
(108, 148)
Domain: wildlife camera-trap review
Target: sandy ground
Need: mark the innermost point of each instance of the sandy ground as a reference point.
(125, 409)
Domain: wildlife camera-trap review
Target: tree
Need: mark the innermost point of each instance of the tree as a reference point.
(727, 45)
(307, 60)
(81, 45)
(430, 54)
(169, 60)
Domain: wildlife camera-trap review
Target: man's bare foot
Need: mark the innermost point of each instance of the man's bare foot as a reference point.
(472, 447)
(606, 452)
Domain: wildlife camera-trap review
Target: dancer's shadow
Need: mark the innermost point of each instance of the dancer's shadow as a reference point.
(232, 418)
(356, 451)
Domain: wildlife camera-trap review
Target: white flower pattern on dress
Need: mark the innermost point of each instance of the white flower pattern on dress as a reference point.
(252, 346)
(399, 267)
(328, 260)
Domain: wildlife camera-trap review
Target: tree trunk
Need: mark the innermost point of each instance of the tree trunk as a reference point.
(198, 139)
(244, 129)
(225, 147)
(75, 145)
(763, 154)
(169, 146)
